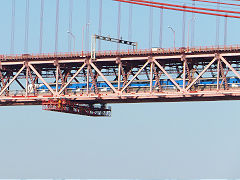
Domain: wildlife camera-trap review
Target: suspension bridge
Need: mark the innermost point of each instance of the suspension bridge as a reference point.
(84, 82)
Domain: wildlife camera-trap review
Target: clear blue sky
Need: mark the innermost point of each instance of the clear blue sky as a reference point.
(153, 140)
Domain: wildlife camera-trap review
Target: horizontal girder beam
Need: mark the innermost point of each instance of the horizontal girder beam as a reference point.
(142, 77)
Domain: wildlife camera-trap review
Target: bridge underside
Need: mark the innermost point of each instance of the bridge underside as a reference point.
(143, 99)
(157, 75)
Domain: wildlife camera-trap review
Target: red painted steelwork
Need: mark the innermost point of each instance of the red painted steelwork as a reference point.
(176, 9)
(72, 107)
(214, 2)
(129, 76)
(188, 7)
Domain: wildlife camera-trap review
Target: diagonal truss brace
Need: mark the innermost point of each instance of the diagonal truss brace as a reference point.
(12, 80)
(165, 72)
(104, 78)
(140, 70)
(205, 69)
(72, 78)
(40, 77)
(230, 67)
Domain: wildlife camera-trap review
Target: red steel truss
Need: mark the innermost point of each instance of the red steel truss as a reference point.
(131, 76)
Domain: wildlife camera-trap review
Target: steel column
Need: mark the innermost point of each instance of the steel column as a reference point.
(2, 79)
(151, 76)
(184, 74)
(157, 77)
(57, 77)
(88, 69)
(119, 76)
(27, 71)
(32, 81)
(218, 73)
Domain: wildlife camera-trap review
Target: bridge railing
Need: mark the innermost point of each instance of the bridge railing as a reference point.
(121, 52)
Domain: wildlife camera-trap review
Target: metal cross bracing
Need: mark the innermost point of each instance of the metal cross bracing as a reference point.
(131, 76)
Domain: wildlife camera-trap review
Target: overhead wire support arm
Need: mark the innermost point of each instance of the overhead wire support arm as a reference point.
(121, 41)
(110, 39)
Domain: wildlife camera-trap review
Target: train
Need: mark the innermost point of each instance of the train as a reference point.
(138, 84)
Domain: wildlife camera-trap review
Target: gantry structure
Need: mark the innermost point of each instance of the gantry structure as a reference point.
(76, 83)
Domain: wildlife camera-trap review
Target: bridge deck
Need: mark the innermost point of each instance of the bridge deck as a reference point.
(155, 75)
(124, 53)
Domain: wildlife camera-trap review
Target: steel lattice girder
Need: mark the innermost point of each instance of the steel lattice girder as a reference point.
(118, 73)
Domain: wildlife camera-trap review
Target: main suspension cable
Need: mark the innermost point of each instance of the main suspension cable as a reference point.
(184, 6)
(214, 2)
(177, 9)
